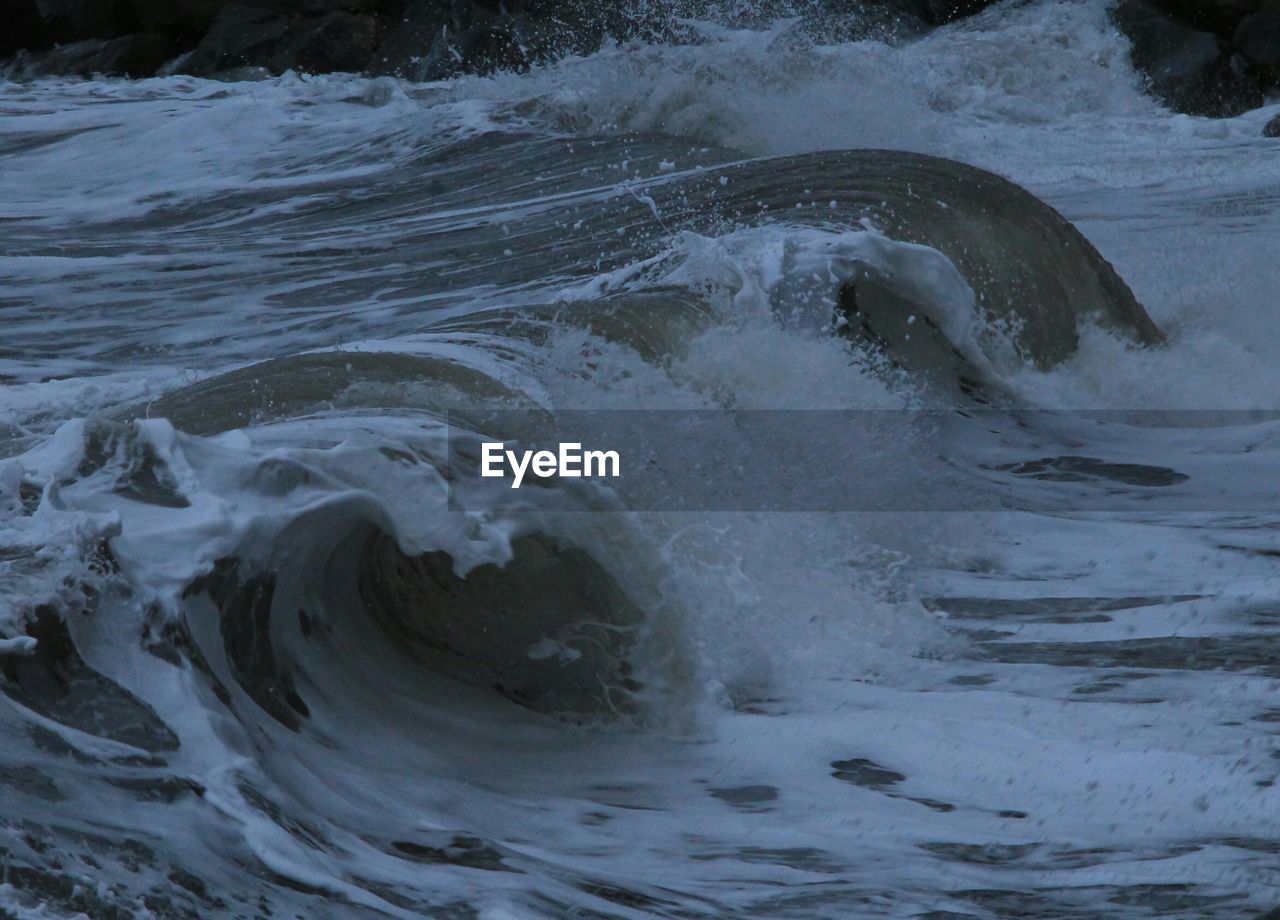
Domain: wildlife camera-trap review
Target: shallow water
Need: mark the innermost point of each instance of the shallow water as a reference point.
(1027, 670)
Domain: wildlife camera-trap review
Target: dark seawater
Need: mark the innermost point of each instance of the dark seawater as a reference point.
(268, 647)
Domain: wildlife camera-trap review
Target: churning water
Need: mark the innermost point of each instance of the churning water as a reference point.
(256, 661)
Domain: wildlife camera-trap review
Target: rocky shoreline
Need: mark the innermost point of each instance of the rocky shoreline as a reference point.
(1204, 57)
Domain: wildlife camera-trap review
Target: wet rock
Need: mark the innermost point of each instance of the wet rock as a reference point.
(866, 21)
(483, 49)
(421, 39)
(1272, 128)
(77, 20)
(335, 42)
(24, 27)
(256, 36)
(407, 48)
(1188, 70)
(1258, 41)
(192, 18)
(436, 39)
(137, 55)
(940, 12)
(240, 36)
(1220, 16)
(188, 18)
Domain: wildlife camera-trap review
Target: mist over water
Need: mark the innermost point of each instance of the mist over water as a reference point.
(277, 672)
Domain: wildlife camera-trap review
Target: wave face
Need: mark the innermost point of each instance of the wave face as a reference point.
(269, 647)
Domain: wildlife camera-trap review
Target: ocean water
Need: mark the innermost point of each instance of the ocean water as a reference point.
(257, 661)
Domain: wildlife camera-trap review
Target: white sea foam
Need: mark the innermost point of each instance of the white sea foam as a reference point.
(793, 655)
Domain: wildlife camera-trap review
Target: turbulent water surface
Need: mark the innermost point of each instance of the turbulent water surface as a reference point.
(268, 649)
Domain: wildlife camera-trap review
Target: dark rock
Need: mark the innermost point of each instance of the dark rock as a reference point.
(1258, 41)
(435, 39)
(1272, 128)
(321, 7)
(420, 39)
(1221, 16)
(483, 49)
(24, 27)
(188, 18)
(249, 36)
(940, 12)
(139, 55)
(335, 42)
(192, 18)
(866, 21)
(407, 50)
(1188, 70)
(240, 36)
(77, 20)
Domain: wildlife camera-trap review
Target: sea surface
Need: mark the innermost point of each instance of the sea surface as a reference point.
(265, 653)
